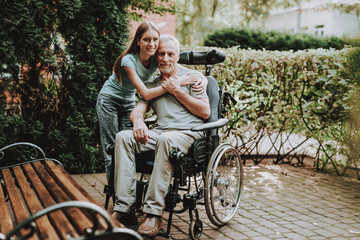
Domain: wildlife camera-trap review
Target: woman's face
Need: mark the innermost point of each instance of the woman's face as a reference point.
(149, 42)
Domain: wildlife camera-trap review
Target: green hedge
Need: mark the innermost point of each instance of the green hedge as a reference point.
(312, 93)
(270, 40)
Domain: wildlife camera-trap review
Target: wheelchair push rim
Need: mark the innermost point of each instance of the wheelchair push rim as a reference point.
(224, 179)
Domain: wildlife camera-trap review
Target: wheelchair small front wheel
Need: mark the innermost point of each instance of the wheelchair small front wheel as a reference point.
(195, 229)
(223, 181)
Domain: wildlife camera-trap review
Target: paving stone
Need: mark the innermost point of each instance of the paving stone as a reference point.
(265, 230)
(319, 238)
(261, 238)
(282, 230)
(326, 233)
(240, 227)
(236, 235)
(252, 234)
(304, 218)
(274, 206)
(337, 230)
(294, 236)
(276, 236)
(269, 224)
(303, 224)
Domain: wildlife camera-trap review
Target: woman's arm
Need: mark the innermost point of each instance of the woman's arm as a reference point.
(146, 93)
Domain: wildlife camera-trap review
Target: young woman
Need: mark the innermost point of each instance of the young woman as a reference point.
(133, 68)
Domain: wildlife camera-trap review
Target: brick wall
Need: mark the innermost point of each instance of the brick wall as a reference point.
(166, 23)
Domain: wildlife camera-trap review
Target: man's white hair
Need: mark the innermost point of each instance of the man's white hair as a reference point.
(167, 37)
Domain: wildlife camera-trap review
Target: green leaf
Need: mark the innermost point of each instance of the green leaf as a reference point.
(321, 92)
(322, 79)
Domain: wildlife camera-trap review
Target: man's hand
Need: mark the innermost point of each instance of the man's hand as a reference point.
(141, 131)
(172, 84)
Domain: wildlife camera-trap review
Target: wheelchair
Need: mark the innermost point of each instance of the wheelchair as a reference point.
(211, 174)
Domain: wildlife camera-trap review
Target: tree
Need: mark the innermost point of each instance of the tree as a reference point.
(138, 7)
(344, 5)
(198, 18)
(54, 58)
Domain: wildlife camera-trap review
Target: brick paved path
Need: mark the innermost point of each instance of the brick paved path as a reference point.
(278, 202)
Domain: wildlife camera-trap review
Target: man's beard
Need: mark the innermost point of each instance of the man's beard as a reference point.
(166, 69)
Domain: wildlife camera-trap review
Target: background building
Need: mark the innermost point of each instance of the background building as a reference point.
(310, 18)
(166, 23)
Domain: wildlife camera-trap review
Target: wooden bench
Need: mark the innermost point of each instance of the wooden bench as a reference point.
(40, 200)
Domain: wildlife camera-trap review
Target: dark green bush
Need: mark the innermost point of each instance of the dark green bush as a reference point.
(270, 40)
(76, 42)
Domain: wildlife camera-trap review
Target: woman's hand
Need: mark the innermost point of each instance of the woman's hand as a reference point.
(172, 84)
(199, 82)
(200, 85)
(188, 79)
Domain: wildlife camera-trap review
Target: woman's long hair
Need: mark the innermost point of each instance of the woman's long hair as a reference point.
(143, 27)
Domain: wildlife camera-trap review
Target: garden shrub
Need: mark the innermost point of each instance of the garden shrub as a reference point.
(270, 40)
(284, 92)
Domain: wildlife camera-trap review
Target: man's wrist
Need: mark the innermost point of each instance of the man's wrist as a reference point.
(179, 92)
(138, 119)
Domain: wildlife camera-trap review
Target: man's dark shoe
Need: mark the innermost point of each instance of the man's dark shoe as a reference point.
(150, 226)
(128, 219)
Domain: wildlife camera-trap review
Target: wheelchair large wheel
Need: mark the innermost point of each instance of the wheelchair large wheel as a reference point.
(223, 181)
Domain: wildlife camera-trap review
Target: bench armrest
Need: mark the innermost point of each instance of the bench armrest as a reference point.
(37, 149)
(211, 125)
(94, 210)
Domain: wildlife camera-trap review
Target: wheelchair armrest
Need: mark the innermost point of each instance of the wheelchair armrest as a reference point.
(211, 125)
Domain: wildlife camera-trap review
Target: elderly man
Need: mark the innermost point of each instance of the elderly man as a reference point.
(178, 110)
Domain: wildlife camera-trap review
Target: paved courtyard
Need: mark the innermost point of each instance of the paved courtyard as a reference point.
(278, 202)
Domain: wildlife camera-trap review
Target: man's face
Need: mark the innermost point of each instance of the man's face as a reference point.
(167, 56)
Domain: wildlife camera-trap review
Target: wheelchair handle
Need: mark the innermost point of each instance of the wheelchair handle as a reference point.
(211, 125)
(202, 58)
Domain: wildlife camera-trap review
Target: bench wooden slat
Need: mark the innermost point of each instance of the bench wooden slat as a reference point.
(20, 211)
(64, 183)
(57, 170)
(58, 218)
(45, 228)
(67, 185)
(5, 220)
(78, 218)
